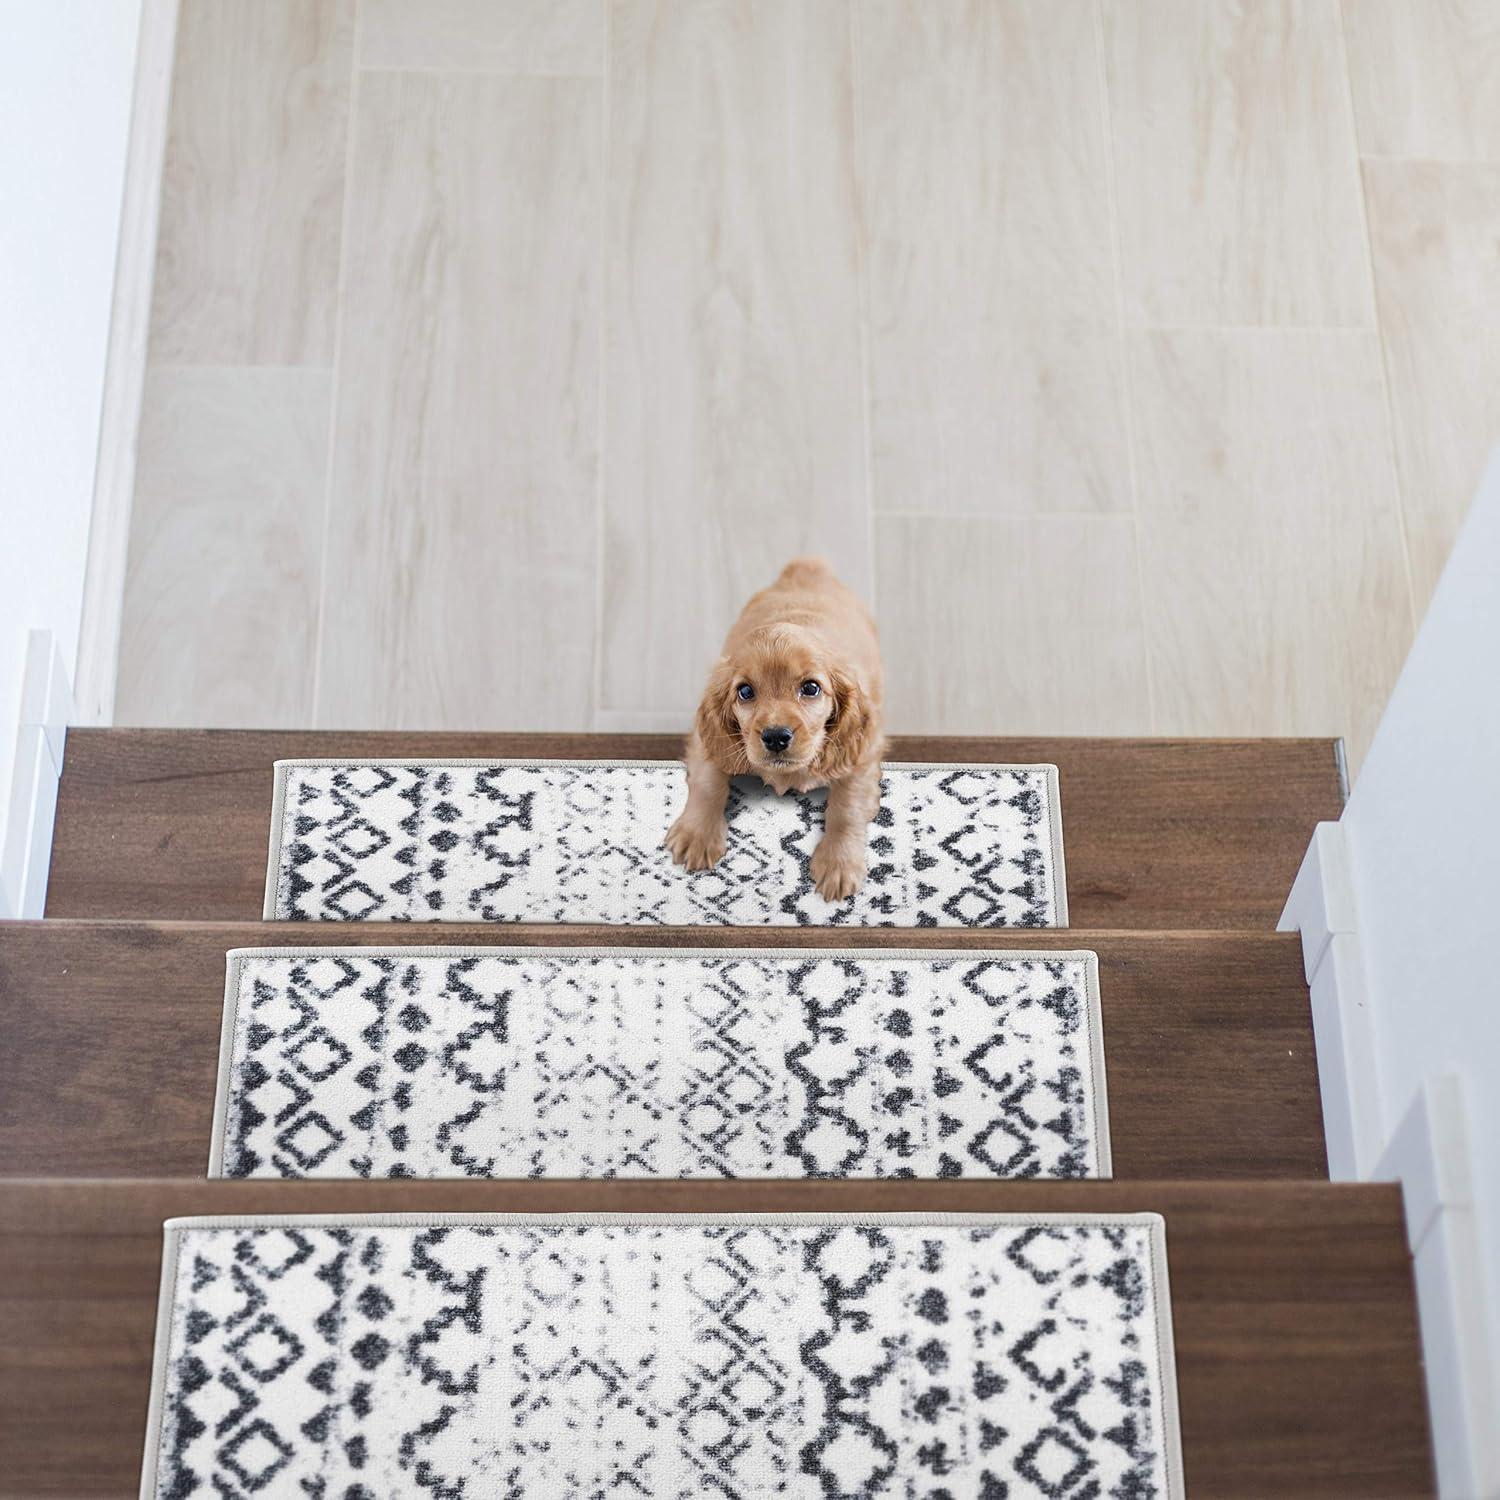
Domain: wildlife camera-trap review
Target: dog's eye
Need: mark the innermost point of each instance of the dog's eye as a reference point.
(809, 689)
(744, 692)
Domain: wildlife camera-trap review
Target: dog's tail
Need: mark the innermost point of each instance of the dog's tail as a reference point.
(807, 570)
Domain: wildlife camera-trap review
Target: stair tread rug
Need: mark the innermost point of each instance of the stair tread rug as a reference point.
(673, 1356)
(640, 1062)
(953, 845)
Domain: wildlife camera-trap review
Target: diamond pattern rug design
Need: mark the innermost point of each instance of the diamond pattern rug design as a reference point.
(531, 1062)
(672, 1357)
(580, 841)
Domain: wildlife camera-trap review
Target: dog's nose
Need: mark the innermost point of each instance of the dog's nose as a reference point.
(776, 738)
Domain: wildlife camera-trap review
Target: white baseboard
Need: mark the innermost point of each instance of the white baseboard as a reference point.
(1321, 902)
(1321, 908)
(46, 708)
(1348, 1066)
(1427, 1153)
(125, 367)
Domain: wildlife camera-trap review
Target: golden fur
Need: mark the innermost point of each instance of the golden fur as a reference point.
(806, 651)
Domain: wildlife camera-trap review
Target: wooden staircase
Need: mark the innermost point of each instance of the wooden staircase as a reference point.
(1297, 1350)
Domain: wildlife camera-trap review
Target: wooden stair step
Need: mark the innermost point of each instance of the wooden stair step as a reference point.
(1297, 1355)
(161, 824)
(109, 1036)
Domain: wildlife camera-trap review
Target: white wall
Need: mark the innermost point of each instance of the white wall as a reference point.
(1422, 836)
(1423, 832)
(66, 75)
(1398, 904)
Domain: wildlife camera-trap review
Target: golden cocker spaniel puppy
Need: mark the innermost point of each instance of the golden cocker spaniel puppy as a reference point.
(795, 699)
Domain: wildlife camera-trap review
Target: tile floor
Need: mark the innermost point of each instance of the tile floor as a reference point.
(1137, 357)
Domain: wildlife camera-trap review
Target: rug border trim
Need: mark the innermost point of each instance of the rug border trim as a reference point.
(280, 768)
(234, 961)
(160, 1353)
(1155, 1223)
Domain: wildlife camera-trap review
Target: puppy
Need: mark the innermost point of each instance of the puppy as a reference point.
(796, 698)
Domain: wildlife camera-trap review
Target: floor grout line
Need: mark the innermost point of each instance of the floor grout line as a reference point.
(458, 70)
(862, 280)
(1127, 384)
(1430, 161)
(345, 218)
(1294, 329)
(596, 679)
(175, 367)
(1403, 520)
(1006, 515)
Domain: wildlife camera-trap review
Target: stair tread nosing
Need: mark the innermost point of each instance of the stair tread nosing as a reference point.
(1297, 1353)
(163, 824)
(109, 1066)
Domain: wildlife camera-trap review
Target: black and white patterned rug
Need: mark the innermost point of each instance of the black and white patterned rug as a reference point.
(735, 1356)
(496, 1062)
(581, 841)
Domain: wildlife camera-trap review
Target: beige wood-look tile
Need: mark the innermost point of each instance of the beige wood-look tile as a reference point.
(1426, 77)
(221, 589)
(464, 501)
(498, 36)
(1435, 233)
(1029, 625)
(995, 358)
(1236, 173)
(252, 187)
(1276, 593)
(735, 430)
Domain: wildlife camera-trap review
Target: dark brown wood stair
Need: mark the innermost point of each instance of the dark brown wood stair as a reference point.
(1297, 1355)
(109, 1036)
(1168, 834)
(1298, 1360)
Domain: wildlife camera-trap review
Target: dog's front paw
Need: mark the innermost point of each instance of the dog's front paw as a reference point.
(694, 846)
(837, 870)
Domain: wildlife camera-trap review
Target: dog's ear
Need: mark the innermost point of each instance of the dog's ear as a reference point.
(847, 737)
(717, 728)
